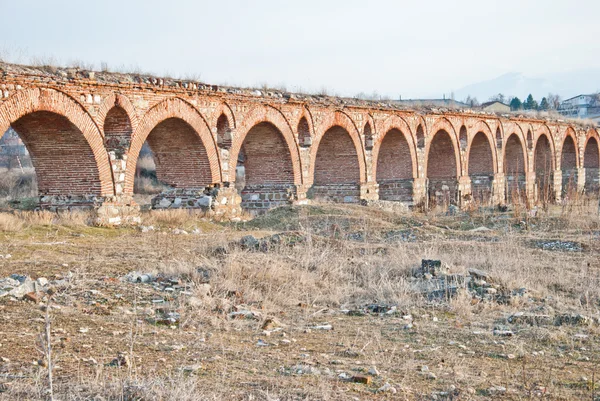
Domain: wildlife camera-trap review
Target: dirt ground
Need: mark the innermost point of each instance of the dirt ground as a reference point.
(305, 303)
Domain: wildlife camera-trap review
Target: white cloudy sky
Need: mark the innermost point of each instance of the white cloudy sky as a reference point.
(392, 47)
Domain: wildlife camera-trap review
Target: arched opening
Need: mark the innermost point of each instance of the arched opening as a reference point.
(591, 161)
(117, 131)
(481, 168)
(368, 133)
(394, 172)
(304, 137)
(568, 166)
(173, 157)
(264, 169)
(514, 170)
(337, 172)
(498, 138)
(529, 140)
(17, 175)
(46, 148)
(441, 170)
(463, 138)
(223, 132)
(543, 166)
(420, 137)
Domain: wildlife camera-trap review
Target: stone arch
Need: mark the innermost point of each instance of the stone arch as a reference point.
(394, 165)
(342, 120)
(189, 156)
(442, 165)
(569, 161)
(591, 163)
(266, 114)
(51, 123)
(267, 168)
(481, 166)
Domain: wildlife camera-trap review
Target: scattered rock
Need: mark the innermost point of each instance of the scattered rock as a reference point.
(362, 379)
(387, 388)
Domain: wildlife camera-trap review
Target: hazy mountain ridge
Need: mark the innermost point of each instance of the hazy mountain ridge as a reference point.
(517, 84)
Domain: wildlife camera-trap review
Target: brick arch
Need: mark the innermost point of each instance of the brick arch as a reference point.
(482, 127)
(189, 120)
(305, 127)
(442, 124)
(395, 122)
(570, 133)
(544, 131)
(591, 134)
(342, 120)
(591, 161)
(121, 101)
(75, 119)
(223, 108)
(263, 114)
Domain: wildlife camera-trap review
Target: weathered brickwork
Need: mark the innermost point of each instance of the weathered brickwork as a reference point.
(85, 130)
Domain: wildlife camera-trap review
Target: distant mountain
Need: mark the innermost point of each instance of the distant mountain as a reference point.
(516, 84)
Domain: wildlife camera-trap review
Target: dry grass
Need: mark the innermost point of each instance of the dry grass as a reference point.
(349, 256)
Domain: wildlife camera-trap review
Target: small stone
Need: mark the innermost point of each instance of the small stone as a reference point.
(373, 371)
(362, 379)
(387, 388)
(32, 297)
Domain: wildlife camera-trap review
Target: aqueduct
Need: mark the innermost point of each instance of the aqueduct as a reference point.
(84, 131)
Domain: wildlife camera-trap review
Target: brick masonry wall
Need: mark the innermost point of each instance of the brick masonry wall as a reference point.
(514, 168)
(63, 160)
(180, 157)
(591, 162)
(394, 168)
(337, 174)
(117, 130)
(441, 169)
(568, 165)
(481, 167)
(109, 111)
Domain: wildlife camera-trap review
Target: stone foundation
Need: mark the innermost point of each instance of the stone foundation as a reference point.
(592, 181)
(118, 212)
(569, 181)
(215, 199)
(265, 197)
(59, 203)
(396, 190)
(340, 193)
(442, 191)
(515, 188)
(481, 188)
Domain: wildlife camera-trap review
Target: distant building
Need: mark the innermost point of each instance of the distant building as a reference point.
(496, 107)
(450, 103)
(13, 153)
(581, 106)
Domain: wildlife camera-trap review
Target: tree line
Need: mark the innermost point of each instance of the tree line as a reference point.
(550, 102)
